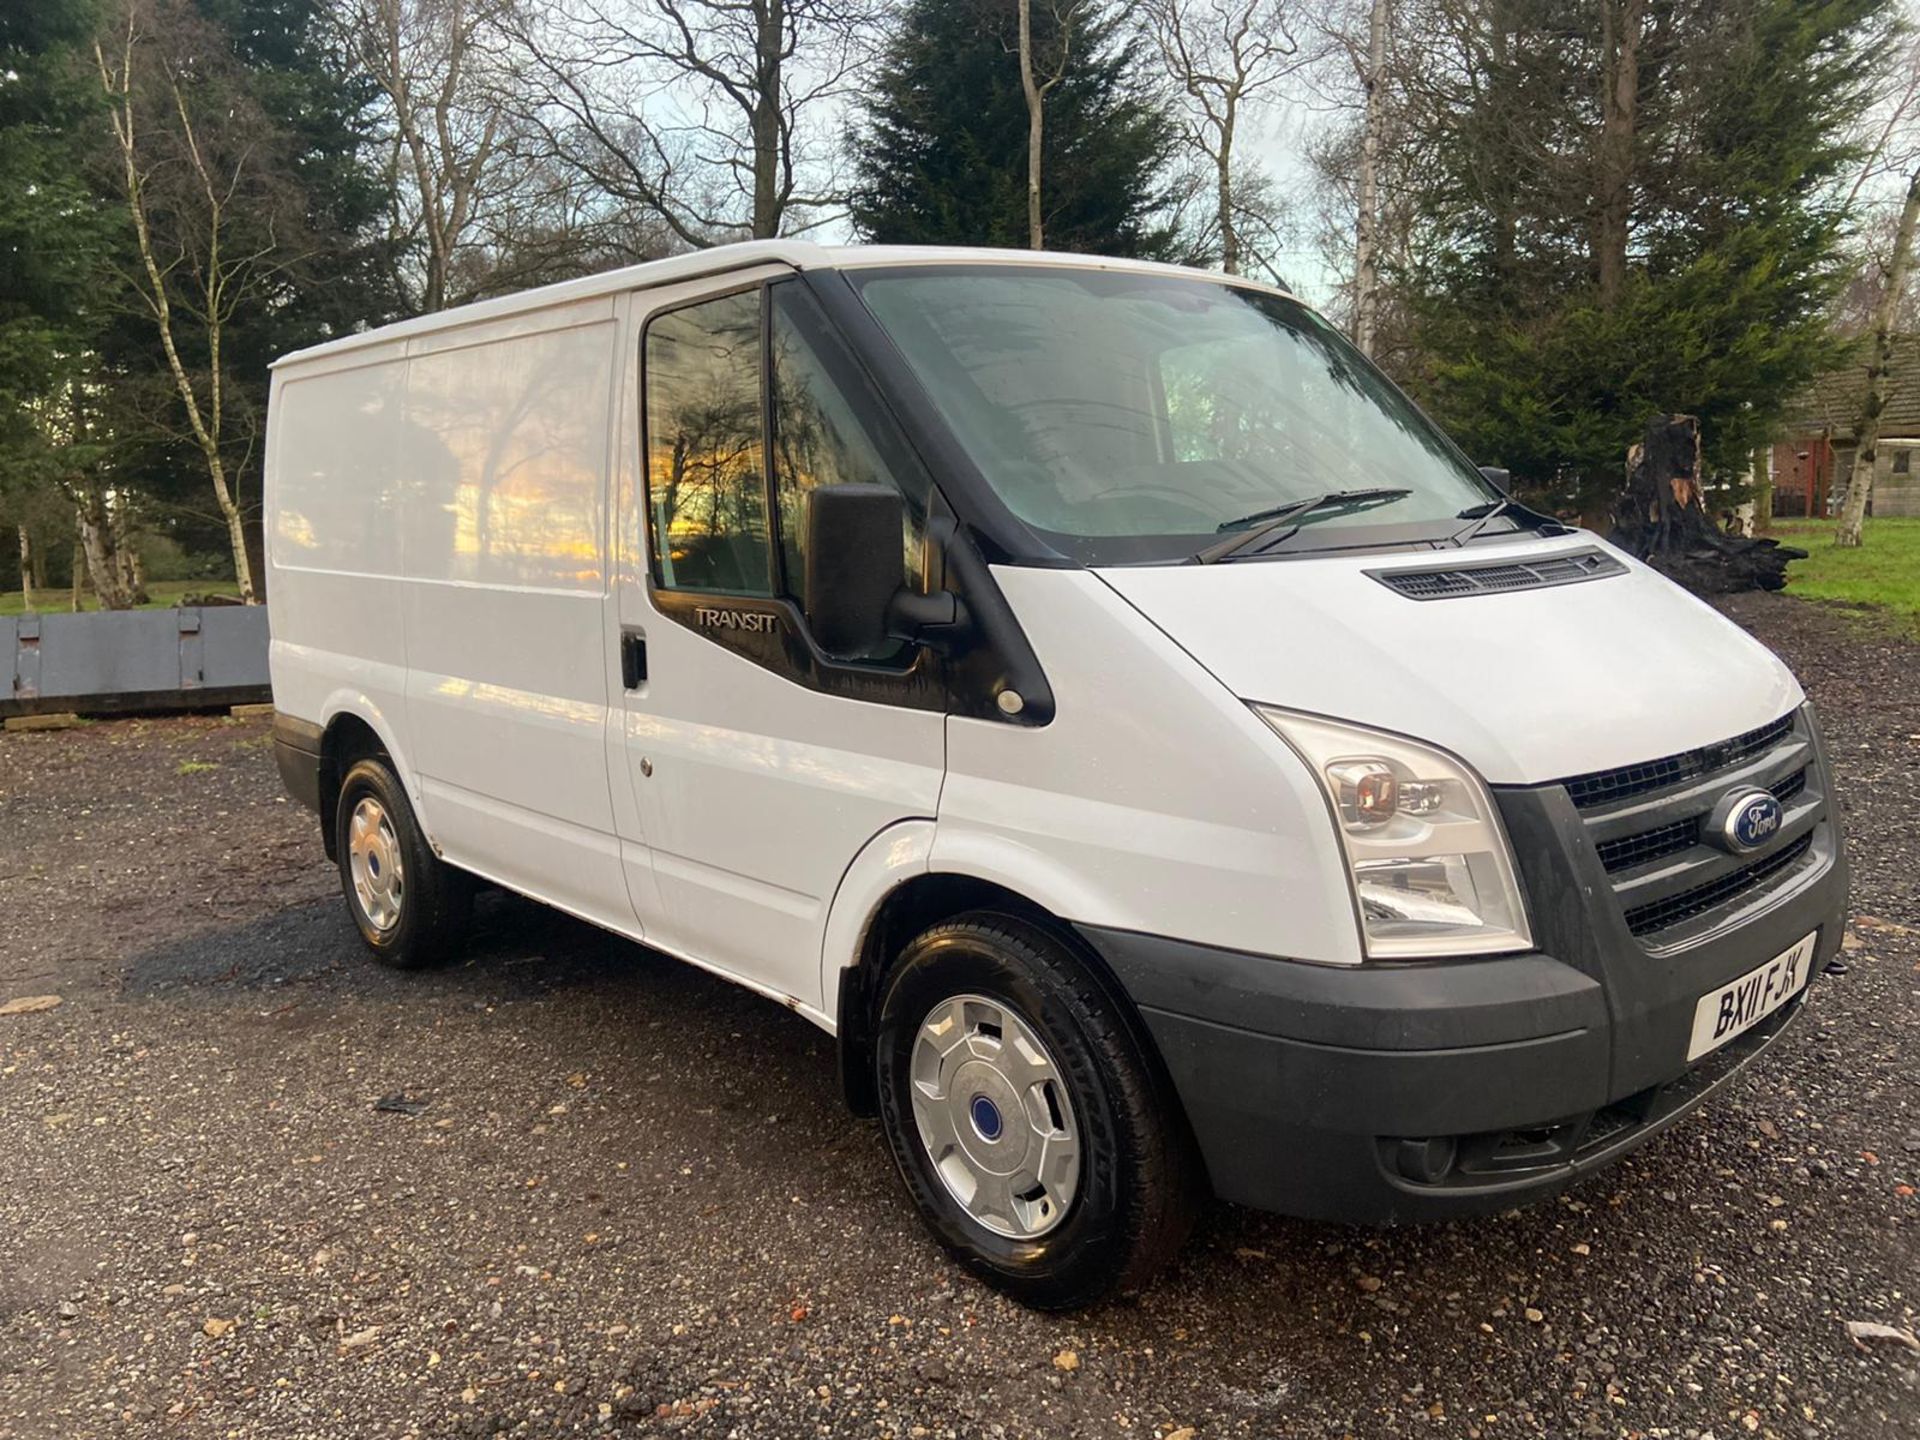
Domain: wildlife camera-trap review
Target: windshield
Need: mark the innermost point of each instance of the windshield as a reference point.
(1138, 417)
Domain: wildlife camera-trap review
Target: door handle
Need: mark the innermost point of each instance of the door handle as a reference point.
(633, 659)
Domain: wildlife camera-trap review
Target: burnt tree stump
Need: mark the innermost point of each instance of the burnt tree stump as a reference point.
(1662, 519)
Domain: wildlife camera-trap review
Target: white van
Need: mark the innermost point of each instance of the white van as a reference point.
(1088, 689)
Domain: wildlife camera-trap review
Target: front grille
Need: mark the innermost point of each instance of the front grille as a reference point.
(1664, 914)
(1670, 839)
(1648, 825)
(1631, 850)
(1603, 787)
(1501, 576)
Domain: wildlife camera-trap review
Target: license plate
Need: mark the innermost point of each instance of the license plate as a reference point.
(1737, 1008)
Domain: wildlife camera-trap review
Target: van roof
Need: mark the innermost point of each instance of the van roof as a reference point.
(800, 254)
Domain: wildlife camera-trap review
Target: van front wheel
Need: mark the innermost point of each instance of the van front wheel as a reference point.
(1031, 1129)
(410, 906)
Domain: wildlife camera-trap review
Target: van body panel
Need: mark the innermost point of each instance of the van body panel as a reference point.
(333, 545)
(1533, 685)
(754, 795)
(1153, 801)
(505, 542)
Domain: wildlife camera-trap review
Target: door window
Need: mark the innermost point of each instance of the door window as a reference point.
(706, 443)
(821, 438)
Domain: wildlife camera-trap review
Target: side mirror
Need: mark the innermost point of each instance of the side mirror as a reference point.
(854, 565)
(1498, 478)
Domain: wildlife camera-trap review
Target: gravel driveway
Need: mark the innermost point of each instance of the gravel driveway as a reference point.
(629, 1201)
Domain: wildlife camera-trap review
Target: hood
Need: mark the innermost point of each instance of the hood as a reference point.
(1527, 686)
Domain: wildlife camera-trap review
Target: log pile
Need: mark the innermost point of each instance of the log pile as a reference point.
(1662, 519)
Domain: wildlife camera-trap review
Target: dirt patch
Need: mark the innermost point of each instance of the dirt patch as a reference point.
(630, 1202)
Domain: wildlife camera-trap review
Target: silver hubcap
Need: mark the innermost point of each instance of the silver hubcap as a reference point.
(994, 1115)
(373, 858)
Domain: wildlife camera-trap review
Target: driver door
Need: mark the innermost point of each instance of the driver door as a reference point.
(759, 766)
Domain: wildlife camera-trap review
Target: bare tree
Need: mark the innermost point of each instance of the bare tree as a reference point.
(1866, 431)
(1363, 77)
(713, 115)
(209, 210)
(1037, 80)
(1366, 246)
(1890, 146)
(1224, 57)
(442, 68)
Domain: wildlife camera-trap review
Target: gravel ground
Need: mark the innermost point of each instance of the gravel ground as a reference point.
(630, 1202)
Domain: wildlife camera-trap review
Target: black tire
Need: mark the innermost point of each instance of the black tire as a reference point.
(434, 900)
(1139, 1180)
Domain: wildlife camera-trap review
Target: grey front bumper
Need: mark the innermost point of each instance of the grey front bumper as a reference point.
(1391, 1092)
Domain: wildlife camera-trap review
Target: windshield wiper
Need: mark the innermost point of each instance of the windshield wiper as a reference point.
(1262, 524)
(1479, 515)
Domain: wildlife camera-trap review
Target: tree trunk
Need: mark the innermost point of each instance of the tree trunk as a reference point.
(1620, 25)
(1866, 432)
(26, 569)
(1229, 237)
(1366, 248)
(1662, 518)
(1762, 492)
(79, 572)
(126, 554)
(1036, 119)
(96, 544)
(769, 41)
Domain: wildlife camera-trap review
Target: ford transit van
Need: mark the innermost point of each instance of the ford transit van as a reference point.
(1089, 690)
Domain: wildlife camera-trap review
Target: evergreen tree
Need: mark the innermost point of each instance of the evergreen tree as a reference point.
(51, 234)
(940, 156)
(56, 279)
(1629, 208)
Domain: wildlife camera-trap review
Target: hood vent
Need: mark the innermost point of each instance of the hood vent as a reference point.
(1498, 577)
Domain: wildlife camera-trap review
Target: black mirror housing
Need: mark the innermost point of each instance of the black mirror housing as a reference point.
(1497, 477)
(855, 565)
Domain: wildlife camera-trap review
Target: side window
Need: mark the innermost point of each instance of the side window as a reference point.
(826, 432)
(1903, 460)
(706, 491)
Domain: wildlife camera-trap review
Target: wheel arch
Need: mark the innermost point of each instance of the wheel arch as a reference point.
(353, 732)
(917, 903)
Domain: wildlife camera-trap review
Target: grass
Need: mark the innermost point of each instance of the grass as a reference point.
(164, 594)
(196, 767)
(1883, 573)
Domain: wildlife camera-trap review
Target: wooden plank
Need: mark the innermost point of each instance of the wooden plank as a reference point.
(60, 720)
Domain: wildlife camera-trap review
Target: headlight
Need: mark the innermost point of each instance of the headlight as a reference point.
(1431, 869)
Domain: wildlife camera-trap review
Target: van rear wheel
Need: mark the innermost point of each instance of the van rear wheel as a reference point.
(1039, 1141)
(409, 905)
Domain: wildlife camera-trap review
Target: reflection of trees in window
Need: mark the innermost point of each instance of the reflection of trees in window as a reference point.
(817, 440)
(707, 499)
(1217, 409)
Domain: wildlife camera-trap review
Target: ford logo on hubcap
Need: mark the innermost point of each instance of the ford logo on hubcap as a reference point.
(1747, 820)
(986, 1118)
